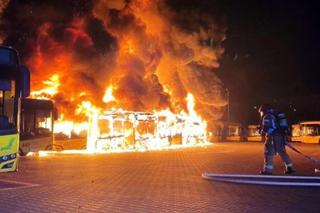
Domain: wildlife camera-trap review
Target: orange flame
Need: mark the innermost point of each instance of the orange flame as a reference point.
(50, 89)
(108, 96)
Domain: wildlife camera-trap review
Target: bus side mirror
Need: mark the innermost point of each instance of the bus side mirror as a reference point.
(25, 81)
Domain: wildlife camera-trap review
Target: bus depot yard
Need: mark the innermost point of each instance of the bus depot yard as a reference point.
(154, 181)
(110, 159)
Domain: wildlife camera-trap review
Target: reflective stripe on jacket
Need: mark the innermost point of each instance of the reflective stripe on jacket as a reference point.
(268, 124)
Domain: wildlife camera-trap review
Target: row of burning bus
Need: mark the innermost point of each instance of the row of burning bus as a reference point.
(109, 131)
(305, 132)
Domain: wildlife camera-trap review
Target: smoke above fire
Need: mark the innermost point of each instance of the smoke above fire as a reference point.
(149, 54)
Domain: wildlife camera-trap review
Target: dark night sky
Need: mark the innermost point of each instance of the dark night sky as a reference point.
(271, 55)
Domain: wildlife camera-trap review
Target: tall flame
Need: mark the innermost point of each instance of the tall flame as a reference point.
(108, 96)
(50, 89)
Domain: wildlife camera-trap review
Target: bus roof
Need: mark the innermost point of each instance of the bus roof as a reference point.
(309, 122)
(29, 104)
(253, 126)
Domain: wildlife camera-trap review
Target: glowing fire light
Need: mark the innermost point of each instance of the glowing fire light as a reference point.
(51, 88)
(118, 130)
(130, 47)
(127, 130)
(167, 90)
(69, 127)
(108, 97)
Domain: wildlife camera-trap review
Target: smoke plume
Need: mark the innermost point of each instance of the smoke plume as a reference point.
(152, 54)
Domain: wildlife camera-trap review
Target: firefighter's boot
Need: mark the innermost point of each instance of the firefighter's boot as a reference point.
(289, 170)
(264, 172)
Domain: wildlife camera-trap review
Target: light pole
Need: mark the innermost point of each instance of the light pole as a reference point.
(228, 106)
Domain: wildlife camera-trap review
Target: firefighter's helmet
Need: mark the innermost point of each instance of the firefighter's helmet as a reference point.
(264, 108)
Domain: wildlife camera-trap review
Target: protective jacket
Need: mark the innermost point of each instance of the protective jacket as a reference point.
(269, 124)
(274, 142)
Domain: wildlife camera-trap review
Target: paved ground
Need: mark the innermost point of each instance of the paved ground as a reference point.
(168, 181)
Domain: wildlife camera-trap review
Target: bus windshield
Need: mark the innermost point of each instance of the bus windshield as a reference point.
(253, 132)
(7, 118)
(36, 118)
(234, 131)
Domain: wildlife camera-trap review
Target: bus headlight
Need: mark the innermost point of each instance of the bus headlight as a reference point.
(7, 157)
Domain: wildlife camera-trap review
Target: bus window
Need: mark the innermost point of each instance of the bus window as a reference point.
(311, 130)
(295, 131)
(43, 122)
(234, 131)
(28, 124)
(253, 132)
(36, 123)
(7, 119)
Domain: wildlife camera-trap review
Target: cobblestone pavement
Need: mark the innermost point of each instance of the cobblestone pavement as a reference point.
(167, 181)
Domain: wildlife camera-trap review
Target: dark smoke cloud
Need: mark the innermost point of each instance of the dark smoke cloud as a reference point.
(22, 19)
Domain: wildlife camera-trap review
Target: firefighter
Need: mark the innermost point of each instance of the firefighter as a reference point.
(274, 141)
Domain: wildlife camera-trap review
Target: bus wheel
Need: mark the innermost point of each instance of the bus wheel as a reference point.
(54, 147)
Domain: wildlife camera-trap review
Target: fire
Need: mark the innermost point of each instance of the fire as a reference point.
(133, 75)
(127, 130)
(70, 127)
(167, 90)
(108, 96)
(130, 48)
(50, 89)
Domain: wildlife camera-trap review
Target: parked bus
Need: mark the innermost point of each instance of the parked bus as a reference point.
(253, 133)
(234, 132)
(37, 120)
(309, 132)
(14, 85)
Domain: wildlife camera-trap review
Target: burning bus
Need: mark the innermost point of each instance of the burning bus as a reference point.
(129, 130)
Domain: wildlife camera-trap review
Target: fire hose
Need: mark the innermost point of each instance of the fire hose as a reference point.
(315, 161)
